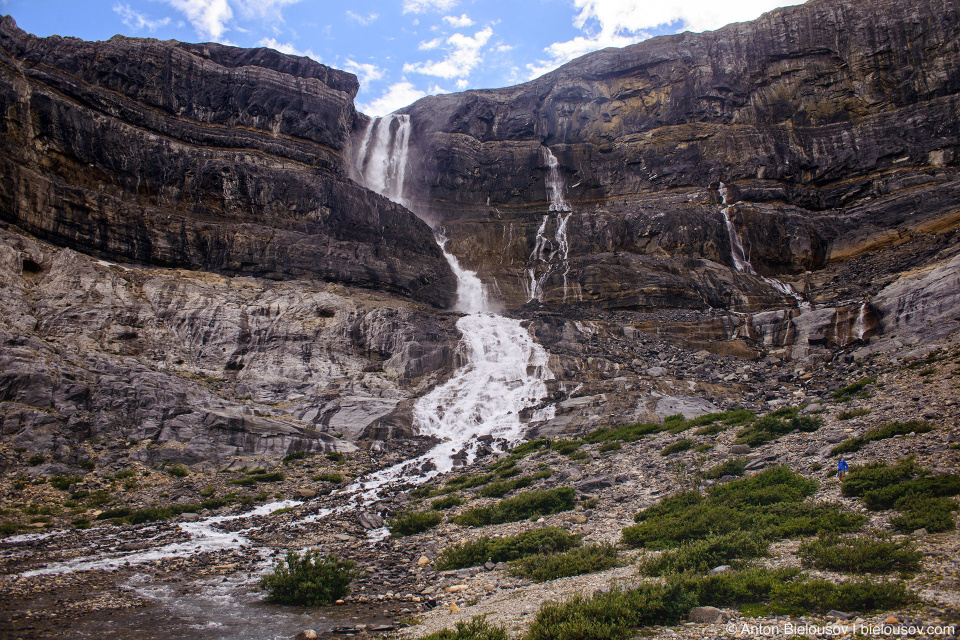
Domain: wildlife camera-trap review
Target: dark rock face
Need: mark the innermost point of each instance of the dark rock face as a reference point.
(833, 123)
(199, 156)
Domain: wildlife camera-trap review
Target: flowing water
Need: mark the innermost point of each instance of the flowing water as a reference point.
(551, 251)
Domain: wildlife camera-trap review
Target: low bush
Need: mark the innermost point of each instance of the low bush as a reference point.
(878, 475)
(613, 614)
(531, 504)
(805, 595)
(476, 552)
(476, 629)
(501, 488)
(336, 478)
(775, 424)
(296, 455)
(469, 482)
(882, 432)
(750, 585)
(587, 559)
(933, 514)
(859, 555)
(445, 503)
(702, 555)
(309, 580)
(63, 482)
(852, 390)
(411, 522)
(677, 447)
(529, 447)
(624, 433)
(729, 467)
(609, 446)
(566, 447)
(178, 471)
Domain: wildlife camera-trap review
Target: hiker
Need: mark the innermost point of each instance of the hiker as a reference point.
(841, 468)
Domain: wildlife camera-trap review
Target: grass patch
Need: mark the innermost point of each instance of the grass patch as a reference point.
(446, 502)
(411, 522)
(853, 390)
(476, 629)
(587, 559)
(882, 432)
(336, 478)
(623, 433)
(531, 504)
(259, 476)
(296, 455)
(178, 471)
(730, 467)
(309, 580)
(530, 446)
(476, 552)
(566, 447)
(702, 555)
(126, 515)
(469, 482)
(63, 482)
(775, 424)
(500, 488)
(860, 555)
(677, 447)
(769, 503)
(609, 446)
(853, 413)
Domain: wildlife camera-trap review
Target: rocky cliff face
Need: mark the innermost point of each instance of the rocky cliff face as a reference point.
(199, 156)
(833, 126)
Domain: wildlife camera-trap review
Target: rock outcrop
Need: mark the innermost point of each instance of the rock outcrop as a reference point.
(199, 156)
(833, 126)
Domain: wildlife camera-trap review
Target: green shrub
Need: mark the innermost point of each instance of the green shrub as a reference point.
(882, 432)
(476, 552)
(729, 467)
(677, 447)
(178, 471)
(611, 615)
(529, 447)
(776, 424)
(63, 482)
(566, 447)
(411, 522)
(335, 478)
(587, 559)
(933, 514)
(769, 503)
(878, 475)
(702, 555)
(806, 595)
(609, 446)
(625, 433)
(499, 489)
(476, 629)
(35, 459)
(469, 482)
(254, 478)
(531, 504)
(859, 555)
(852, 390)
(296, 455)
(854, 413)
(334, 456)
(750, 585)
(446, 502)
(309, 580)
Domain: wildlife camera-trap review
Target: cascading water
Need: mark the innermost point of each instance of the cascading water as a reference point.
(545, 249)
(504, 371)
(741, 259)
(382, 158)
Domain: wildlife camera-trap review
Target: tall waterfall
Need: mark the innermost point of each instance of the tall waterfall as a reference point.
(741, 259)
(505, 369)
(548, 251)
(382, 158)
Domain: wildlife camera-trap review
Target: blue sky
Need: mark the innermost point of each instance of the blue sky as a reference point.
(400, 49)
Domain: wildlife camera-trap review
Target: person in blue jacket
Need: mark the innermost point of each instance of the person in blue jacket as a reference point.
(841, 468)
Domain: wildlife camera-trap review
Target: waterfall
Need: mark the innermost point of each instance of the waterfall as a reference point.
(741, 259)
(382, 158)
(504, 369)
(546, 249)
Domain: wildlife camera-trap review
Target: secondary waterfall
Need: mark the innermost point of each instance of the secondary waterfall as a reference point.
(504, 369)
(545, 249)
(741, 259)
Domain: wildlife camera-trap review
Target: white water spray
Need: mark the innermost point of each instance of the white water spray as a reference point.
(547, 249)
(382, 158)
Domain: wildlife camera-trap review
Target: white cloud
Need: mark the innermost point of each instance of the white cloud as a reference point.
(459, 23)
(463, 56)
(398, 95)
(360, 19)
(420, 6)
(364, 70)
(618, 23)
(137, 21)
(286, 47)
(431, 44)
(208, 17)
(267, 9)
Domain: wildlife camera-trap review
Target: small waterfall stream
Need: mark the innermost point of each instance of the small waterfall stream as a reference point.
(546, 249)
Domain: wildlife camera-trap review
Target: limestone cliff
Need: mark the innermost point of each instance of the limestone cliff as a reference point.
(199, 156)
(834, 126)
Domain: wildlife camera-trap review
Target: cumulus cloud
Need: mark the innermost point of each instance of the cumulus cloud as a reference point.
(421, 6)
(459, 23)
(361, 19)
(365, 71)
(137, 21)
(397, 95)
(208, 17)
(463, 56)
(618, 23)
(286, 47)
